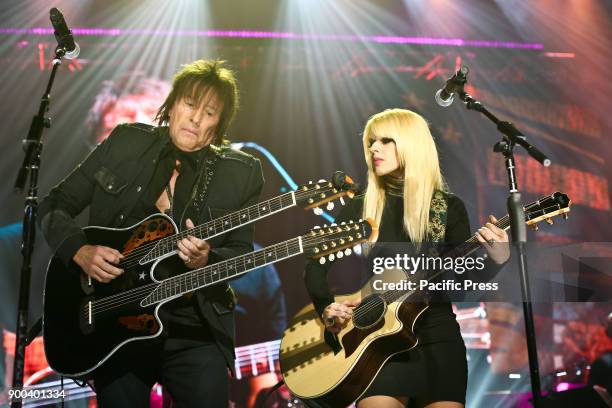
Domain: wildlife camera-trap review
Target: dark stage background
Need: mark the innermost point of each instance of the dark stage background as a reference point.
(310, 74)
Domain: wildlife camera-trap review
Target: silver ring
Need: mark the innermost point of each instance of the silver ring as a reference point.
(330, 321)
(491, 241)
(188, 260)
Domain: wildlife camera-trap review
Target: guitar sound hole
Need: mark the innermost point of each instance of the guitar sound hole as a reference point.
(369, 312)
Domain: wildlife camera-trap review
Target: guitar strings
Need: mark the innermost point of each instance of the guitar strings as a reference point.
(113, 301)
(117, 300)
(299, 195)
(139, 251)
(210, 267)
(131, 260)
(136, 291)
(135, 294)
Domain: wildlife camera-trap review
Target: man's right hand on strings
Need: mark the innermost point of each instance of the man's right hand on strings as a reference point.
(99, 262)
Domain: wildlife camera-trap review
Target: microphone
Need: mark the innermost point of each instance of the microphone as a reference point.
(63, 35)
(446, 95)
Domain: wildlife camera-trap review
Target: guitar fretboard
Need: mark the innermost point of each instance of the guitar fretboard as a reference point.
(224, 270)
(167, 246)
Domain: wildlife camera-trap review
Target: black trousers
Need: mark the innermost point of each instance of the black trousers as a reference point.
(194, 372)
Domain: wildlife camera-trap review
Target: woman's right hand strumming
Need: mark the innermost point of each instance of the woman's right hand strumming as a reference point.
(337, 315)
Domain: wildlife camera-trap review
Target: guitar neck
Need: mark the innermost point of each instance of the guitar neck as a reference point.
(200, 278)
(472, 244)
(167, 246)
(464, 249)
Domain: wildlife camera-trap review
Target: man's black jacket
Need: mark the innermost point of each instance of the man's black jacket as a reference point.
(112, 178)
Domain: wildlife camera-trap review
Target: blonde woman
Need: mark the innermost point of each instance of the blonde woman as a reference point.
(403, 175)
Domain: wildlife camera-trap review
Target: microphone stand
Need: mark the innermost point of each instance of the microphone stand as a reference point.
(30, 166)
(511, 137)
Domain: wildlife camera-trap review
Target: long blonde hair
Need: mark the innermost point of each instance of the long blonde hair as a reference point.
(417, 156)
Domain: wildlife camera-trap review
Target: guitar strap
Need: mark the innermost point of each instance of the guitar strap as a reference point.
(437, 220)
(199, 195)
(206, 173)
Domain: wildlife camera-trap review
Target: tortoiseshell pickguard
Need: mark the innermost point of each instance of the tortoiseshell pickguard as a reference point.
(147, 231)
(140, 323)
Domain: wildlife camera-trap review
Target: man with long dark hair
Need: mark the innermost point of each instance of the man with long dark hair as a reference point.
(182, 168)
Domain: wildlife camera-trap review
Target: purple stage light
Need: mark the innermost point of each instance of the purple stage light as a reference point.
(381, 39)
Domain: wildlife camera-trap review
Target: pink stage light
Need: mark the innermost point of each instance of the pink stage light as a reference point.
(382, 39)
(563, 386)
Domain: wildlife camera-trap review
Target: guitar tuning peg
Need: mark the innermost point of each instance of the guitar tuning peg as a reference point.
(331, 257)
(535, 227)
(316, 227)
(333, 224)
(348, 251)
(339, 254)
(357, 249)
(309, 181)
(321, 181)
(550, 221)
(343, 223)
(342, 200)
(330, 206)
(322, 260)
(317, 211)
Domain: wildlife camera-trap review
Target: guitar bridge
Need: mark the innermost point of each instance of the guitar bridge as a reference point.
(86, 316)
